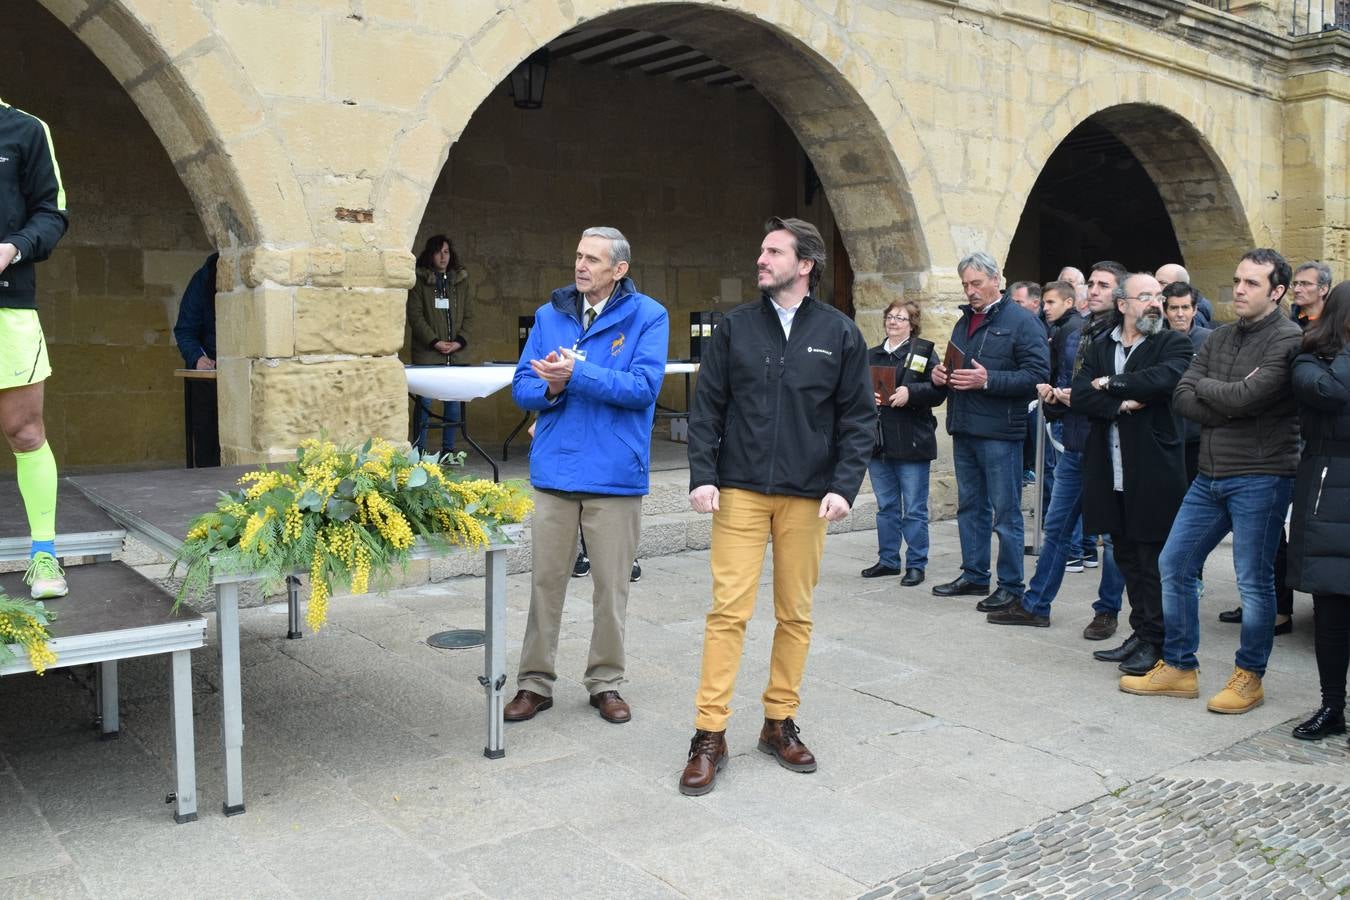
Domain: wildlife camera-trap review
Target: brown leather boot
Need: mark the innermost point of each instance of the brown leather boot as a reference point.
(707, 757)
(778, 738)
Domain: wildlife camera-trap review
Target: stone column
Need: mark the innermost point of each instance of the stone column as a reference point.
(308, 341)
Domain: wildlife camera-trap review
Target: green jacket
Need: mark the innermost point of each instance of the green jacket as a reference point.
(429, 324)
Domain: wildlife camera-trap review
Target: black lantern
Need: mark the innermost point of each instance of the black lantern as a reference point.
(527, 80)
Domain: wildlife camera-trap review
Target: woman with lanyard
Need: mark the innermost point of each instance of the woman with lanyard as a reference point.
(440, 317)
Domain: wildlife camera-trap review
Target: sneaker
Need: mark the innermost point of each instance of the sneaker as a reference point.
(1102, 626)
(582, 567)
(1074, 565)
(1163, 681)
(1029, 477)
(44, 578)
(1090, 560)
(1242, 694)
(636, 574)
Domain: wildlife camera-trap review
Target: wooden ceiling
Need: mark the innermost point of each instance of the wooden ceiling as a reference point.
(627, 49)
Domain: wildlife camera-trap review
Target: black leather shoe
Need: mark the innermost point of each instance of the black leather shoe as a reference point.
(1017, 614)
(1118, 654)
(1142, 660)
(999, 599)
(879, 571)
(1285, 627)
(960, 587)
(1231, 616)
(912, 577)
(1323, 722)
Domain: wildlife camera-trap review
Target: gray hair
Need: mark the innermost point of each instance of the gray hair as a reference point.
(619, 248)
(978, 260)
(1323, 272)
(1118, 292)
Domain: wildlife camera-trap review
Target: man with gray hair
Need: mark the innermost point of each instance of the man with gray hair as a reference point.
(1312, 283)
(996, 356)
(591, 368)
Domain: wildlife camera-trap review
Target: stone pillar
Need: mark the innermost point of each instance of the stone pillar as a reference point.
(308, 341)
(1316, 172)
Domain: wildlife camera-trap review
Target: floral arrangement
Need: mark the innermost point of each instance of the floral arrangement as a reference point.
(343, 515)
(25, 622)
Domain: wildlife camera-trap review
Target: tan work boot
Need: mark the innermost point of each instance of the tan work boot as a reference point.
(1243, 693)
(1164, 681)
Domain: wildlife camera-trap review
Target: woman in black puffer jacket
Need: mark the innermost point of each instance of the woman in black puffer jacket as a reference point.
(1319, 539)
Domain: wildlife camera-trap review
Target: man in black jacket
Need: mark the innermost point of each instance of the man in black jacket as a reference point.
(780, 432)
(996, 356)
(32, 220)
(1134, 468)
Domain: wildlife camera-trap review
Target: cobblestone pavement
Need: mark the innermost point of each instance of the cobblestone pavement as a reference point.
(1175, 837)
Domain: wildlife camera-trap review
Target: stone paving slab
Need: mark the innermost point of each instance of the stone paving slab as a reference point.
(939, 737)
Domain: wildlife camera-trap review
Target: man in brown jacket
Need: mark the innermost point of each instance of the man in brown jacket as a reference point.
(1238, 389)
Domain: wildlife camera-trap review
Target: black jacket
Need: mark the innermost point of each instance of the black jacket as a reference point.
(1152, 451)
(1197, 334)
(32, 202)
(777, 416)
(1011, 344)
(1319, 533)
(909, 432)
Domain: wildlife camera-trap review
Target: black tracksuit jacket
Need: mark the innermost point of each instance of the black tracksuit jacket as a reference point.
(32, 202)
(791, 416)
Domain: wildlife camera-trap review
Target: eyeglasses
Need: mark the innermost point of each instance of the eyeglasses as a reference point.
(1305, 284)
(897, 318)
(1147, 298)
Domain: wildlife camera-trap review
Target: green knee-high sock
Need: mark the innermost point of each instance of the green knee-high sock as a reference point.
(36, 470)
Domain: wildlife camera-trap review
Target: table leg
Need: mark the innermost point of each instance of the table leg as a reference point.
(494, 651)
(184, 752)
(464, 430)
(506, 447)
(188, 423)
(231, 699)
(109, 723)
(293, 608)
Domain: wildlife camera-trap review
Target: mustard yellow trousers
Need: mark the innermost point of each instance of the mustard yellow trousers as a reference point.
(740, 531)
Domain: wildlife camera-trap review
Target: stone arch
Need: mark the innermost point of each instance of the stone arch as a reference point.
(815, 88)
(1179, 141)
(202, 107)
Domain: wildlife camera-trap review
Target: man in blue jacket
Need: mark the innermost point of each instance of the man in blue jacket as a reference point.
(195, 334)
(592, 369)
(996, 357)
(32, 220)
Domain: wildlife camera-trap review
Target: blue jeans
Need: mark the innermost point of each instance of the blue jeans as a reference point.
(901, 489)
(1252, 507)
(452, 410)
(1057, 541)
(989, 493)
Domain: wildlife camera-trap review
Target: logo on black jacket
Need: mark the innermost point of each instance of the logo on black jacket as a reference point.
(810, 349)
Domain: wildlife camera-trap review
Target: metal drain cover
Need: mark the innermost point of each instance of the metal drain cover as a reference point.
(458, 639)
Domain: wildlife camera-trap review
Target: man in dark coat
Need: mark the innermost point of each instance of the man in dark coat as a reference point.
(1134, 466)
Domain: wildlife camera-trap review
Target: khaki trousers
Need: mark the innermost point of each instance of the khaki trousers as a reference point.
(612, 525)
(741, 529)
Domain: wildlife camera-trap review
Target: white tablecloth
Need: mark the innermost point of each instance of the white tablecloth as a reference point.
(457, 382)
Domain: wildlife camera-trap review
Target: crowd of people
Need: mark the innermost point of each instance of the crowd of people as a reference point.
(1167, 432)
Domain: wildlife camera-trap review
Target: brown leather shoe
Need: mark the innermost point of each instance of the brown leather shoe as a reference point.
(524, 706)
(613, 708)
(707, 757)
(778, 738)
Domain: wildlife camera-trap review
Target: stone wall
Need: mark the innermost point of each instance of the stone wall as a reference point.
(109, 294)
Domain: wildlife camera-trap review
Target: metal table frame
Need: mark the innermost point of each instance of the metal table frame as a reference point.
(226, 586)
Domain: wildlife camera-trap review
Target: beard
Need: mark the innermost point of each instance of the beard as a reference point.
(1149, 324)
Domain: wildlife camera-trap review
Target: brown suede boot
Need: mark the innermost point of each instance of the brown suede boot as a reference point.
(707, 757)
(779, 739)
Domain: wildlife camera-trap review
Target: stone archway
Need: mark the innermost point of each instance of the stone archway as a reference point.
(850, 149)
(1185, 147)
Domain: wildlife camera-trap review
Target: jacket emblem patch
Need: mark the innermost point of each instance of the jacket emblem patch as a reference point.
(811, 349)
(616, 345)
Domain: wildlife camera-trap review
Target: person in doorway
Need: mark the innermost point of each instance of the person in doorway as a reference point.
(780, 432)
(32, 220)
(1237, 388)
(907, 443)
(592, 369)
(195, 333)
(440, 318)
(1319, 546)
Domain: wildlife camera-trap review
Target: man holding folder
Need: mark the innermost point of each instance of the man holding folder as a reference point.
(995, 358)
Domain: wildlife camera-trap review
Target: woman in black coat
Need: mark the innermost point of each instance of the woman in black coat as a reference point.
(1319, 537)
(907, 442)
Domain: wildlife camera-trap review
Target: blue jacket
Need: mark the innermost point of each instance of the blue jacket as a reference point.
(195, 330)
(595, 438)
(1011, 344)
